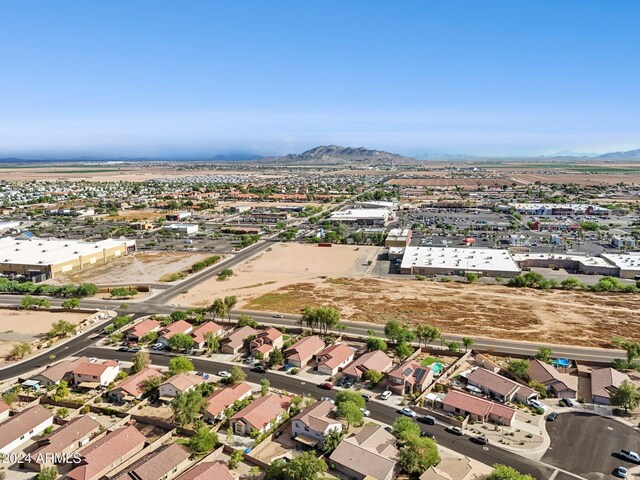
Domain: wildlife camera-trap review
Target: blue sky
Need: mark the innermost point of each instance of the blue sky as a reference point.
(193, 78)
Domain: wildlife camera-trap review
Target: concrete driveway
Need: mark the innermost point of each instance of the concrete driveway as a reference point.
(585, 444)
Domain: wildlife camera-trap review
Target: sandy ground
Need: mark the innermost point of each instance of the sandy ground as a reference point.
(140, 267)
(28, 326)
(562, 317)
(282, 265)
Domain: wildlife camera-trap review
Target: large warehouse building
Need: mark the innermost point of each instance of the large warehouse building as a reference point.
(362, 216)
(39, 259)
(458, 261)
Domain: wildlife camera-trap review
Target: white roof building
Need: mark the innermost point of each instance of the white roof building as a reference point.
(628, 263)
(458, 261)
(362, 215)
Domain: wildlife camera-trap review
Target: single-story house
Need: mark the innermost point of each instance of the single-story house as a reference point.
(63, 441)
(221, 399)
(560, 385)
(451, 468)
(141, 329)
(499, 387)
(60, 371)
(266, 341)
(261, 414)
(181, 326)
(107, 453)
(303, 351)
(371, 452)
(132, 387)
(177, 385)
(410, 377)
(604, 382)
(5, 411)
(23, 426)
(334, 358)
(95, 374)
(165, 463)
(479, 409)
(199, 333)
(207, 471)
(234, 341)
(312, 424)
(376, 360)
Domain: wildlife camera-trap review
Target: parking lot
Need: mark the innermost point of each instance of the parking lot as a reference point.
(586, 444)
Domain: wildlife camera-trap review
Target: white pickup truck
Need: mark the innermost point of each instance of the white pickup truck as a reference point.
(629, 455)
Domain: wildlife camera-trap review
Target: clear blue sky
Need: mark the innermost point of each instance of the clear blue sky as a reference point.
(145, 78)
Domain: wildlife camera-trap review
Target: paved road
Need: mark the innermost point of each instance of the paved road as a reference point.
(383, 413)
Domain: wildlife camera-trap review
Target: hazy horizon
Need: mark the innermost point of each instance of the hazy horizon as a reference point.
(198, 78)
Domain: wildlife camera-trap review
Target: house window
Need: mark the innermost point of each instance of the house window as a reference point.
(306, 429)
(22, 437)
(31, 431)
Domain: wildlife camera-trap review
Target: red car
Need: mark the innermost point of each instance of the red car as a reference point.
(326, 386)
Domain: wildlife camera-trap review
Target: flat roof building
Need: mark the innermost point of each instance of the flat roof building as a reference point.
(362, 216)
(628, 264)
(398, 237)
(458, 261)
(187, 228)
(46, 258)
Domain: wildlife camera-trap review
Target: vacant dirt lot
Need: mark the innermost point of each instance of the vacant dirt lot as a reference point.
(563, 317)
(282, 265)
(140, 267)
(27, 326)
(585, 179)
(469, 183)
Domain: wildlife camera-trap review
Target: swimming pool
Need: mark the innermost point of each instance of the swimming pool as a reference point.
(436, 367)
(561, 362)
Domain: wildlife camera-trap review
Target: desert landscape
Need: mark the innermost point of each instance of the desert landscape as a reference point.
(560, 317)
(281, 266)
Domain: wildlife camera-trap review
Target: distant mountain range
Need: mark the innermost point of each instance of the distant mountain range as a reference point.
(569, 153)
(628, 154)
(337, 155)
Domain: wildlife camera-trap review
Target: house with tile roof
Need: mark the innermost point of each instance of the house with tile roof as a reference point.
(265, 342)
(558, 384)
(207, 471)
(234, 341)
(177, 385)
(141, 329)
(334, 358)
(372, 452)
(94, 374)
(375, 360)
(107, 453)
(63, 370)
(165, 333)
(132, 387)
(199, 333)
(477, 408)
(23, 426)
(604, 382)
(223, 398)
(500, 388)
(409, 377)
(65, 440)
(261, 414)
(164, 463)
(5, 411)
(312, 424)
(303, 351)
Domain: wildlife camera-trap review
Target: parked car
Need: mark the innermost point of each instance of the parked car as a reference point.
(286, 367)
(536, 404)
(259, 369)
(277, 315)
(454, 430)
(408, 412)
(277, 434)
(424, 433)
(366, 397)
(326, 386)
(428, 419)
(249, 360)
(622, 472)
(328, 399)
(224, 374)
(552, 416)
(629, 455)
(567, 401)
(134, 349)
(388, 429)
(365, 412)
(123, 349)
(480, 440)
(386, 394)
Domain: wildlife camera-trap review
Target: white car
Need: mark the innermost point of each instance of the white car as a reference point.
(365, 412)
(386, 394)
(224, 374)
(536, 404)
(328, 399)
(408, 412)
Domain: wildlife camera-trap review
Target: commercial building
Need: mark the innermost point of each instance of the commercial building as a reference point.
(40, 259)
(398, 237)
(572, 263)
(362, 216)
(628, 264)
(559, 209)
(177, 217)
(185, 228)
(376, 204)
(458, 261)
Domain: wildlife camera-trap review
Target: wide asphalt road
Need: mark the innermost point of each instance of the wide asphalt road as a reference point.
(489, 455)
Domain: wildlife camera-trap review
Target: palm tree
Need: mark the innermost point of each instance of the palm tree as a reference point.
(230, 302)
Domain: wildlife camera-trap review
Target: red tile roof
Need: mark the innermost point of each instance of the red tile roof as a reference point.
(221, 399)
(208, 471)
(476, 405)
(376, 360)
(199, 333)
(334, 355)
(21, 423)
(94, 369)
(263, 410)
(142, 328)
(180, 326)
(305, 348)
(133, 384)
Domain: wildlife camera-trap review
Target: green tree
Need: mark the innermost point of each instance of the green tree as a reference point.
(186, 406)
(544, 354)
(180, 365)
(626, 395)
(331, 441)
(418, 454)
(264, 386)
(62, 412)
(140, 361)
(151, 383)
(71, 303)
(62, 391)
(468, 343)
(10, 397)
(230, 437)
(181, 341)
(276, 357)
(230, 302)
(20, 349)
(372, 376)
(237, 375)
(123, 292)
(306, 466)
(403, 350)
(398, 332)
(351, 413)
(247, 321)
(235, 458)
(632, 348)
(405, 428)
(503, 472)
(62, 329)
(518, 368)
(321, 318)
(204, 440)
(472, 277)
(211, 342)
(453, 347)
(277, 470)
(48, 473)
(348, 396)
(375, 343)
